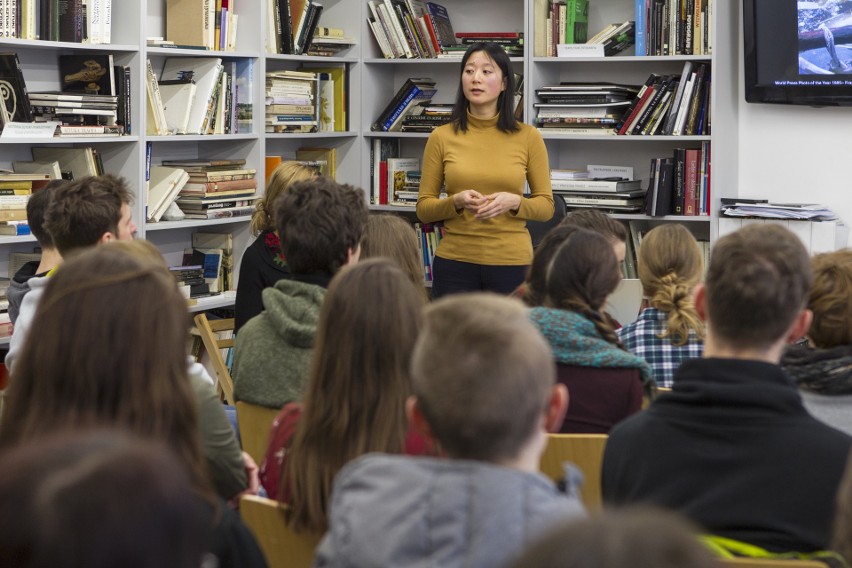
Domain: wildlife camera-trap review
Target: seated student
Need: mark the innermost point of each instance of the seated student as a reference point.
(822, 367)
(356, 393)
(19, 286)
(99, 499)
(484, 389)
(124, 369)
(668, 330)
(572, 273)
(732, 447)
(320, 223)
(390, 236)
(263, 264)
(627, 538)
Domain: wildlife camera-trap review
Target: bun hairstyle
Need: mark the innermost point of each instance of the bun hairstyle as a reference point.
(669, 267)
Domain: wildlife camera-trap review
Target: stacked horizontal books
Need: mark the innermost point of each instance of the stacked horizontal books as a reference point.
(411, 28)
(582, 108)
(680, 184)
(429, 236)
(15, 192)
(580, 190)
(216, 189)
(672, 105)
(511, 42)
(428, 119)
(190, 280)
(292, 101)
(615, 38)
(403, 180)
(411, 99)
(328, 42)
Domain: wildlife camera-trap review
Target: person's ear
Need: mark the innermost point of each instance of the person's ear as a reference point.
(107, 238)
(416, 420)
(352, 255)
(800, 326)
(554, 413)
(701, 301)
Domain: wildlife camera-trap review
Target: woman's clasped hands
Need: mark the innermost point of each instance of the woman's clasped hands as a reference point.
(486, 206)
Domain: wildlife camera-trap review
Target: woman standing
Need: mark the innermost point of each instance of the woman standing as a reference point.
(484, 156)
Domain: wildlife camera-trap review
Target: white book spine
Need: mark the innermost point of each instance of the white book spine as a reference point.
(106, 22)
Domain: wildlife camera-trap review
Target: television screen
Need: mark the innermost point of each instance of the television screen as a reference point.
(798, 52)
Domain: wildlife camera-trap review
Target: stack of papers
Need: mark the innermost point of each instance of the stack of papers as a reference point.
(805, 211)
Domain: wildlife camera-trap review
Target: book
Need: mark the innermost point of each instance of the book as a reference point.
(15, 98)
(225, 213)
(49, 167)
(80, 161)
(609, 186)
(14, 228)
(177, 97)
(165, 183)
(413, 87)
(89, 73)
(187, 22)
(328, 156)
(155, 116)
(245, 186)
(441, 24)
(206, 74)
(396, 174)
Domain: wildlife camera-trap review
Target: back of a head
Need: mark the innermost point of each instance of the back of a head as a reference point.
(670, 265)
(597, 221)
(627, 538)
(392, 237)
(757, 282)
(319, 222)
(98, 500)
(284, 175)
(829, 299)
(81, 211)
(535, 284)
(107, 346)
(582, 273)
(36, 209)
(482, 375)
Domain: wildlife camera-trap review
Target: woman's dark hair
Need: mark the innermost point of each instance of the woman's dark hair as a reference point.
(505, 103)
(535, 284)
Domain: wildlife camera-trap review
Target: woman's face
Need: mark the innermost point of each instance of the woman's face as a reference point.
(482, 82)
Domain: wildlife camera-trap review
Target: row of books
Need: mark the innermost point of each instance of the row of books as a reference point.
(429, 236)
(412, 97)
(673, 27)
(77, 21)
(559, 22)
(410, 28)
(637, 230)
(680, 184)
(206, 269)
(200, 96)
(293, 28)
(204, 24)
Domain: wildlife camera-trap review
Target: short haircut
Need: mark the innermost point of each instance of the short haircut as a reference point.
(36, 209)
(99, 499)
(829, 299)
(81, 211)
(757, 282)
(482, 375)
(599, 222)
(318, 222)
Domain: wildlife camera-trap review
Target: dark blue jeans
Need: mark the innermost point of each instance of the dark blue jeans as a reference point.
(455, 277)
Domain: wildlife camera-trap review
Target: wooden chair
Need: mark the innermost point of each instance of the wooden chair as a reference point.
(583, 450)
(254, 422)
(208, 330)
(770, 563)
(282, 547)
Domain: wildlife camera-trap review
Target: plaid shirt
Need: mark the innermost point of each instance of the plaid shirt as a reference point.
(642, 338)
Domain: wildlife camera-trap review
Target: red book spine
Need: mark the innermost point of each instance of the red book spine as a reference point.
(488, 34)
(383, 182)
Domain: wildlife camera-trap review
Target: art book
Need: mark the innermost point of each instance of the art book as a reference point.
(206, 74)
(89, 73)
(13, 91)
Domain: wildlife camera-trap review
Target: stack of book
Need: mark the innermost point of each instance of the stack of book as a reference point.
(511, 42)
(292, 99)
(430, 117)
(615, 38)
(291, 25)
(77, 21)
(411, 28)
(190, 280)
(216, 188)
(429, 236)
(15, 191)
(680, 184)
(411, 99)
(582, 108)
(215, 253)
(328, 42)
(403, 180)
(590, 189)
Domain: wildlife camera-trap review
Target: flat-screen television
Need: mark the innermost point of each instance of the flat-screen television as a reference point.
(798, 53)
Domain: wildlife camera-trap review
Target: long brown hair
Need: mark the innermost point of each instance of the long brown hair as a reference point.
(279, 180)
(358, 383)
(670, 266)
(582, 272)
(107, 349)
(392, 237)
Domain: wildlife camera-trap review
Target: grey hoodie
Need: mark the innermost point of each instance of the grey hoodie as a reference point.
(389, 511)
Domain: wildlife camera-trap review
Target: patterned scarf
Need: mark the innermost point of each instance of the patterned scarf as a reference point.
(575, 340)
(823, 371)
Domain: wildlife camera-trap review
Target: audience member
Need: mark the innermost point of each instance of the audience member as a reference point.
(601, 223)
(390, 236)
(668, 330)
(79, 215)
(822, 367)
(19, 286)
(320, 224)
(732, 447)
(356, 393)
(263, 263)
(124, 369)
(628, 538)
(99, 500)
(573, 272)
(484, 389)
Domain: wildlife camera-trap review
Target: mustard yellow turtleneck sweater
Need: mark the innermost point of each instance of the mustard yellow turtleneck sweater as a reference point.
(489, 161)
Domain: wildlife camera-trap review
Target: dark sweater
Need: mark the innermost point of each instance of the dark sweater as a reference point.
(733, 449)
(260, 268)
(599, 398)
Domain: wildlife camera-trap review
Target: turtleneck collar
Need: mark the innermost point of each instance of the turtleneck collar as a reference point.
(482, 123)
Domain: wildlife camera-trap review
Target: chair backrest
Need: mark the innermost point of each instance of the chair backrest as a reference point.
(770, 563)
(255, 422)
(282, 547)
(208, 329)
(538, 229)
(583, 450)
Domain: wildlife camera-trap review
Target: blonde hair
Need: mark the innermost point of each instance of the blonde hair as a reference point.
(670, 266)
(282, 176)
(829, 299)
(392, 237)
